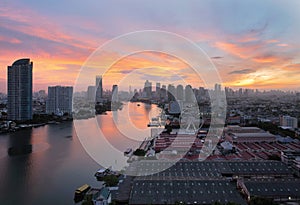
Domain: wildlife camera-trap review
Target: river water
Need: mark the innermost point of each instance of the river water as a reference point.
(58, 163)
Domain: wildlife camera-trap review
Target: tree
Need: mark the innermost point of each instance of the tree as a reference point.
(274, 157)
(139, 152)
(111, 180)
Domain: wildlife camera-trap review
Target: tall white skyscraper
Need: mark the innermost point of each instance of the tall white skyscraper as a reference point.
(99, 88)
(59, 100)
(19, 90)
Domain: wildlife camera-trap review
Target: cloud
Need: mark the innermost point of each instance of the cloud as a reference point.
(243, 71)
(217, 57)
(271, 58)
(241, 50)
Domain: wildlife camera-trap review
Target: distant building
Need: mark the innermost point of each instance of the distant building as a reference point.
(179, 92)
(171, 92)
(99, 89)
(288, 156)
(114, 97)
(163, 93)
(91, 93)
(59, 100)
(189, 95)
(237, 134)
(288, 121)
(217, 88)
(19, 90)
(148, 89)
(157, 90)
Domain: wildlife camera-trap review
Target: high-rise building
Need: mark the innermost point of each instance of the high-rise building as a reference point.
(59, 100)
(189, 95)
(217, 88)
(91, 93)
(171, 92)
(157, 90)
(148, 89)
(114, 96)
(179, 92)
(19, 90)
(99, 88)
(163, 93)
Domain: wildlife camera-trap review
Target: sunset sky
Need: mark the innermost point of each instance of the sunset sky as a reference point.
(253, 44)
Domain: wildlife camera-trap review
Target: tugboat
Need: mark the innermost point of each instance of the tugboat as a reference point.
(80, 192)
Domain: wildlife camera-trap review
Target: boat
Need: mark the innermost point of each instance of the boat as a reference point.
(153, 124)
(128, 151)
(104, 172)
(101, 173)
(80, 192)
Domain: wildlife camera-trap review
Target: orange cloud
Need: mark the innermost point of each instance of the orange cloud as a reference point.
(242, 51)
(265, 59)
(282, 44)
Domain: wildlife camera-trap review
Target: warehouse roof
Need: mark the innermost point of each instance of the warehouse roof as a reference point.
(188, 192)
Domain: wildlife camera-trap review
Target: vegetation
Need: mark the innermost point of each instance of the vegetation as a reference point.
(139, 152)
(111, 180)
(274, 157)
(107, 106)
(44, 118)
(88, 202)
(274, 129)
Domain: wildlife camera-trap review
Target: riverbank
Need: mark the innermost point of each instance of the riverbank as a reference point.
(7, 126)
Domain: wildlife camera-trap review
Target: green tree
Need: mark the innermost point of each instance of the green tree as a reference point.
(111, 180)
(139, 152)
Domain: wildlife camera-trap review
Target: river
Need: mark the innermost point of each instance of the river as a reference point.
(58, 163)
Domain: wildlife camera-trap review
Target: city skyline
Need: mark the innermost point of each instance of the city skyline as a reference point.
(252, 44)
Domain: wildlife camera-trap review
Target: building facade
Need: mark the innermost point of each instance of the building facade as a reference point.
(91, 93)
(59, 100)
(19, 90)
(99, 89)
(114, 95)
(288, 121)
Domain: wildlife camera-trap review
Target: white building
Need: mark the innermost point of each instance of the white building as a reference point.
(59, 100)
(288, 121)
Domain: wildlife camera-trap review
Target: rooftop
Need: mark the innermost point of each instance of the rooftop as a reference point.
(274, 187)
(23, 61)
(185, 191)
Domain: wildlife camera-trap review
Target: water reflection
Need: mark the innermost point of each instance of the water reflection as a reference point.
(106, 137)
(58, 163)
